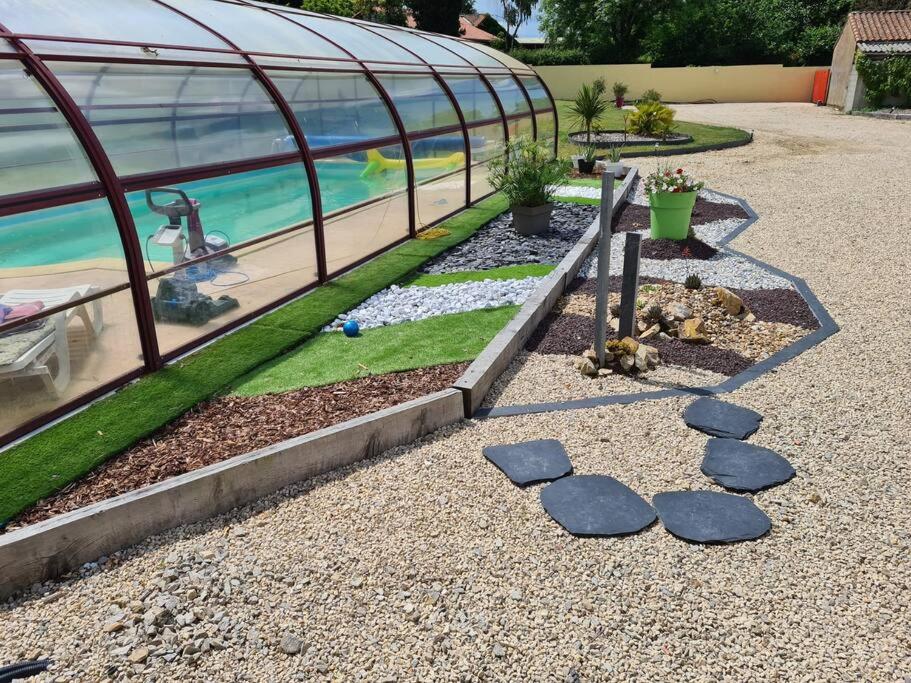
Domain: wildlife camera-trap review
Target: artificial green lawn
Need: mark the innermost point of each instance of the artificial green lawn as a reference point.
(51, 459)
(333, 357)
(704, 136)
(501, 273)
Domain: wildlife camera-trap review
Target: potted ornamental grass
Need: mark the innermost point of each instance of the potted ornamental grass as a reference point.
(671, 197)
(527, 175)
(614, 164)
(620, 90)
(586, 163)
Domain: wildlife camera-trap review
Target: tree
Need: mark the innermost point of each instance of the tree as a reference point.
(877, 5)
(385, 11)
(515, 13)
(438, 16)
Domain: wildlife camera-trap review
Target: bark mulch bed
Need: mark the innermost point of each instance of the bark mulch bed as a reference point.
(779, 306)
(768, 305)
(636, 217)
(232, 425)
(571, 334)
(690, 248)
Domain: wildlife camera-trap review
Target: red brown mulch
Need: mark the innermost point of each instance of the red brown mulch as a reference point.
(636, 217)
(690, 248)
(570, 334)
(779, 306)
(232, 425)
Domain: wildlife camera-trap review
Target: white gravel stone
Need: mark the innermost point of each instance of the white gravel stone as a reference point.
(397, 304)
(637, 194)
(578, 191)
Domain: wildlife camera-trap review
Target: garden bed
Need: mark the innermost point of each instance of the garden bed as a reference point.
(613, 138)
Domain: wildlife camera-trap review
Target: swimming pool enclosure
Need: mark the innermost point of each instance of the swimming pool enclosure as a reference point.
(170, 169)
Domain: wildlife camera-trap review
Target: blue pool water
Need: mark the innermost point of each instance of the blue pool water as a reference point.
(241, 207)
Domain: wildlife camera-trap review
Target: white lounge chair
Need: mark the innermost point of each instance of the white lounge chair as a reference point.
(28, 353)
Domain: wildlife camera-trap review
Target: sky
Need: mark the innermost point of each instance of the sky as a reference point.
(494, 7)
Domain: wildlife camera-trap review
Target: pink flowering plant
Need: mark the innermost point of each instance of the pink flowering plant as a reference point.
(671, 180)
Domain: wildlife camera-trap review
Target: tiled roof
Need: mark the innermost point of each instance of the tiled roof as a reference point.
(881, 26)
(898, 47)
(470, 32)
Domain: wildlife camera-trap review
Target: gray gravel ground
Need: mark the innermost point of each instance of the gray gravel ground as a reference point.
(427, 564)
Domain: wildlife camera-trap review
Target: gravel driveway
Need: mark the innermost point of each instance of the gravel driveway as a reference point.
(427, 564)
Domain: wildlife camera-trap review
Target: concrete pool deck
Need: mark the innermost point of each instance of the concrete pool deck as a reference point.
(426, 564)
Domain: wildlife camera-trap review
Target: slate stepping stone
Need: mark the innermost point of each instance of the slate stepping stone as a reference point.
(742, 466)
(710, 516)
(721, 419)
(596, 505)
(531, 462)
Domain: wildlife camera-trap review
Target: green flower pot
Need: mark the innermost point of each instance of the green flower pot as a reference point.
(670, 214)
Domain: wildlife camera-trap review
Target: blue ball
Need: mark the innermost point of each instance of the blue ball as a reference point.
(351, 328)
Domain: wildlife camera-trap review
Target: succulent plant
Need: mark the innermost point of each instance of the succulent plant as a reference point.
(654, 313)
(615, 310)
(692, 281)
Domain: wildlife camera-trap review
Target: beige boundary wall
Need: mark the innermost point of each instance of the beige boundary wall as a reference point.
(750, 83)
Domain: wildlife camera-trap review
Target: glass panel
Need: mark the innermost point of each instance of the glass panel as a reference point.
(230, 209)
(427, 50)
(464, 50)
(361, 43)
(480, 185)
(361, 177)
(47, 364)
(475, 100)
(546, 127)
(307, 63)
(486, 142)
(519, 128)
(140, 21)
(75, 247)
(5, 46)
(334, 109)
(536, 92)
(37, 148)
(441, 157)
(420, 101)
(365, 230)
(511, 62)
(62, 47)
(257, 29)
(195, 301)
(153, 117)
(379, 67)
(511, 96)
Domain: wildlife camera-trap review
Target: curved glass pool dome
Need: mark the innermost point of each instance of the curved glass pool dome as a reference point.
(170, 169)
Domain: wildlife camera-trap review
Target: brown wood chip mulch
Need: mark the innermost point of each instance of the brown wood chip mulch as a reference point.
(636, 217)
(232, 425)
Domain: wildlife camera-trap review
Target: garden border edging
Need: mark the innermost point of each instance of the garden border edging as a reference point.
(499, 353)
(48, 549)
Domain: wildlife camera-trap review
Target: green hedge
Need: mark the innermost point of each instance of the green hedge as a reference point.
(886, 77)
(550, 56)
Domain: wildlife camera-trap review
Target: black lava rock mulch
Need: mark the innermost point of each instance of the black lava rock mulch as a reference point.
(498, 244)
(779, 306)
(571, 334)
(636, 217)
(690, 248)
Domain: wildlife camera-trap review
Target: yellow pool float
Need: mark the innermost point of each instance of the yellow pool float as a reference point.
(377, 163)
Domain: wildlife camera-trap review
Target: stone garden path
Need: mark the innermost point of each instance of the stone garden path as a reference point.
(428, 564)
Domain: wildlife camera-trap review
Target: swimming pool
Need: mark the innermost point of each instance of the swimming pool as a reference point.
(240, 207)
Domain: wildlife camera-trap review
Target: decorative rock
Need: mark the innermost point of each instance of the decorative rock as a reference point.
(742, 466)
(531, 462)
(710, 516)
(596, 505)
(139, 656)
(627, 362)
(692, 330)
(291, 644)
(650, 332)
(633, 344)
(725, 420)
(586, 367)
(730, 302)
(679, 312)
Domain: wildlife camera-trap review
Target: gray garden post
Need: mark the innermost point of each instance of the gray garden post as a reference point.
(630, 288)
(604, 239)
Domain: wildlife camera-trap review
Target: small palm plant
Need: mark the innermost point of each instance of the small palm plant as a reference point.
(650, 118)
(589, 106)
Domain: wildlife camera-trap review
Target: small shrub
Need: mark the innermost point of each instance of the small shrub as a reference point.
(589, 106)
(885, 77)
(620, 89)
(650, 118)
(650, 95)
(693, 281)
(528, 173)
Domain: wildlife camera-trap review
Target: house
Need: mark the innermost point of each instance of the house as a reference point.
(875, 34)
(478, 28)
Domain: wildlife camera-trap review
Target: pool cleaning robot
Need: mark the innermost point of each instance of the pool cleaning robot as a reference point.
(178, 299)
